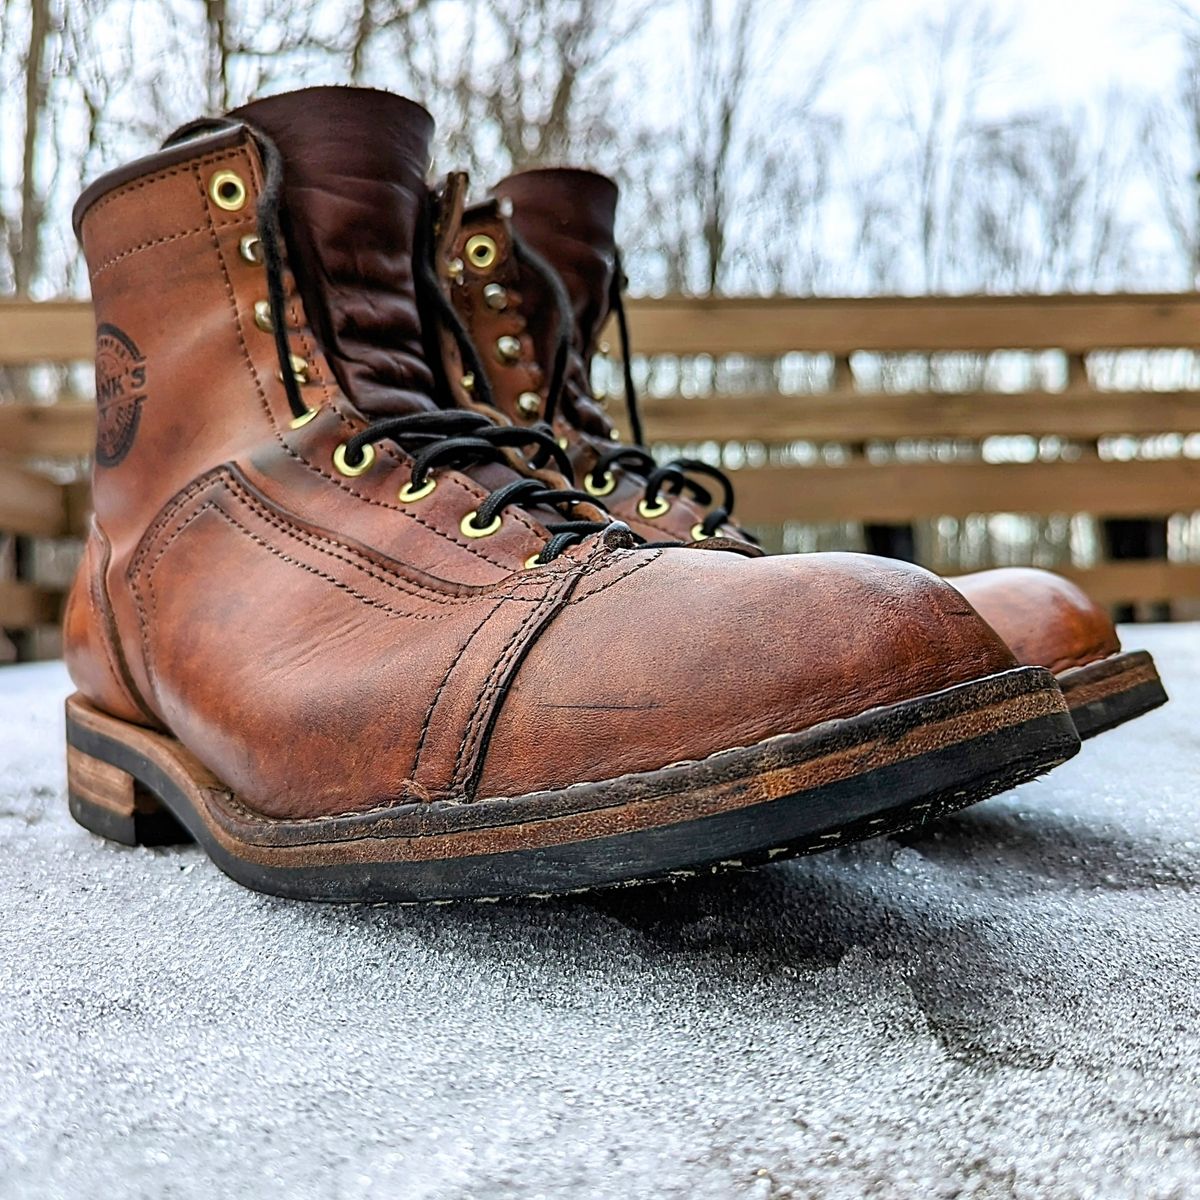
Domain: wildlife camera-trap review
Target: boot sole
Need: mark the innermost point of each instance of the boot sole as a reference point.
(884, 771)
(1109, 692)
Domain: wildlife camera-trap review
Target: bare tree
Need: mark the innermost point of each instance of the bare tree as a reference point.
(745, 169)
(513, 83)
(939, 73)
(1048, 209)
(22, 225)
(1171, 139)
(738, 171)
(944, 196)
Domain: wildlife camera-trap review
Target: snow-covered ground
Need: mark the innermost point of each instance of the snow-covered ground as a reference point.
(1007, 1004)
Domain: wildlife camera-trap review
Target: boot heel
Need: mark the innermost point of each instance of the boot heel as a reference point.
(112, 803)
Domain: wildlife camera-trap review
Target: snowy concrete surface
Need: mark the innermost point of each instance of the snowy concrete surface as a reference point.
(1007, 1004)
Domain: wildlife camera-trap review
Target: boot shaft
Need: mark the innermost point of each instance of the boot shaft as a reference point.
(186, 335)
(537, 302)
(540, 273)
(219, 341)
(568, 217)
(354, 208)
(182, 375)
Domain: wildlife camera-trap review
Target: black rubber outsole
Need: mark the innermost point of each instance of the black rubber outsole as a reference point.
(1102, 715)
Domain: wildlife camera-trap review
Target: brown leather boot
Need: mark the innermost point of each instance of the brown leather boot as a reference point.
(536, 303)
(322, 627)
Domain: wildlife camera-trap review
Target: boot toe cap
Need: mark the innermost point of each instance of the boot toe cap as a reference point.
(1046, 620)
(692, 653)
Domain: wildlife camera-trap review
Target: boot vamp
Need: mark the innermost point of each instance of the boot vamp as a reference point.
(693, 653)
(1046, 620)
(314, 676)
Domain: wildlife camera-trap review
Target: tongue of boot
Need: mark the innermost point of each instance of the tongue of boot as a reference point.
(354, 193)
(568, 217)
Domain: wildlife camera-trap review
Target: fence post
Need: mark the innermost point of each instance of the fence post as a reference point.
(23, 572)
(1139, 539)
(889, 541)
(1126, 539)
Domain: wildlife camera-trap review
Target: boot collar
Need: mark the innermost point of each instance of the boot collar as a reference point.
(354, 212)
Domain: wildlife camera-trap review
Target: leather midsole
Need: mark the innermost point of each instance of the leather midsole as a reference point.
(782, 766)
(1106, 677)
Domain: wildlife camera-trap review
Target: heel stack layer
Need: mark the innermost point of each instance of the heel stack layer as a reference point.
(112, 803)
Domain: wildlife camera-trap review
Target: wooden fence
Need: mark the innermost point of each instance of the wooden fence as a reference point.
(40, 444)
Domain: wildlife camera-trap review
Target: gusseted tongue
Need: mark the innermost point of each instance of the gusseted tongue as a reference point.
(354, 165)
(568, 216)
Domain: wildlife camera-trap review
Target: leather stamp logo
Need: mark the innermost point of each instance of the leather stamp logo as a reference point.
(120, 390)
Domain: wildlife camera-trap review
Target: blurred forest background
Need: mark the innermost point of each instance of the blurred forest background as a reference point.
(762, 146)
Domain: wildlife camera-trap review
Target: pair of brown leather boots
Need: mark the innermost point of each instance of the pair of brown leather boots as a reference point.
(346, 618)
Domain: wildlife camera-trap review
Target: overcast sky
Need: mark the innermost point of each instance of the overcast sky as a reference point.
(1064, 51)
(1076, 49)
(1071, 54)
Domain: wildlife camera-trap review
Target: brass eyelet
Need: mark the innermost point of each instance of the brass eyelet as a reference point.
(299, 368)
(532, 561)
(698, 534)
(650, 511)
(481, 251)
(495, 297)
(409, 494)
(250, 248)
(614, 435)
(508, 348)
(468, 381)
(601, 489)
(468, 526)
(303, 419)
(529, 403)
(351, 469)
(228, 191)
(262, 316)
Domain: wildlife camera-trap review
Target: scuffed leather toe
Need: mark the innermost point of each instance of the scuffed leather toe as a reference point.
(1046, 620)
(690, 653)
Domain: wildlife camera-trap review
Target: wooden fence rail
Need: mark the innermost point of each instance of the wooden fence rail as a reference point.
(40, 442)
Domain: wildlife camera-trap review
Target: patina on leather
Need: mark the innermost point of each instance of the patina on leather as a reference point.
(323, 646)
(1045, 619)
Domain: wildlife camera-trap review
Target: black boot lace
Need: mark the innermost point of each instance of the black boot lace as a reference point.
(675, 477)
(445, 438)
